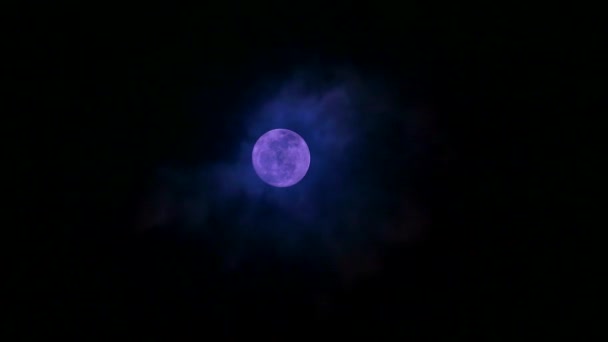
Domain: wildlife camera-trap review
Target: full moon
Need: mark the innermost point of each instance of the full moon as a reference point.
(281, 157)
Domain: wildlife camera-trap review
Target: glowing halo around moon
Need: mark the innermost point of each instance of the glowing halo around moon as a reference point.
(281, 157)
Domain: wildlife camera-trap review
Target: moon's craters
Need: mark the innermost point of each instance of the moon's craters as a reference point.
(281, 157)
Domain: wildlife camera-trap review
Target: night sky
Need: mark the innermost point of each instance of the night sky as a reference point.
(151, 220)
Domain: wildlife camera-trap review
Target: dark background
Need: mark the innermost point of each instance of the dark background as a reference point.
(95, 88)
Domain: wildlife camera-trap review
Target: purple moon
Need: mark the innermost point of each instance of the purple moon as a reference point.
(281, 157)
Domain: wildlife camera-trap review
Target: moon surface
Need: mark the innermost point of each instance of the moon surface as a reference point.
(281, 157)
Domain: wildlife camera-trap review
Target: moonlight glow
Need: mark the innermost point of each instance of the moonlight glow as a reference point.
(281, 157)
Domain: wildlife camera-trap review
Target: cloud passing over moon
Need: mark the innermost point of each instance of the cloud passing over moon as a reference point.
(345, 200)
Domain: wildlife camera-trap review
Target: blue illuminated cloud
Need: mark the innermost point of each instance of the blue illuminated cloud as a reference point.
(341, 201)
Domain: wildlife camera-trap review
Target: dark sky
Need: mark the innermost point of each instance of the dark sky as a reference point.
(149, 218)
